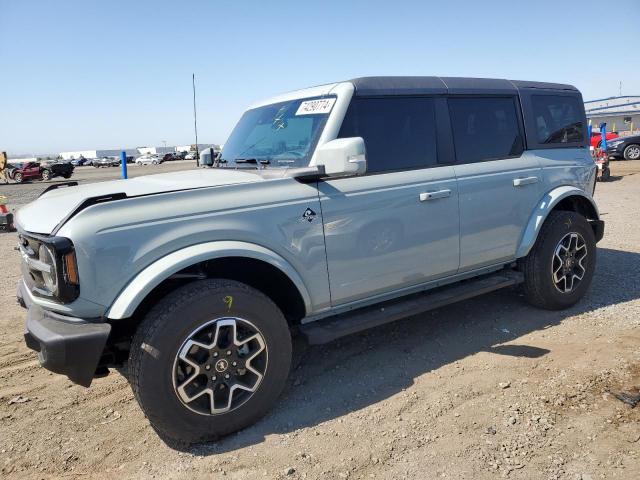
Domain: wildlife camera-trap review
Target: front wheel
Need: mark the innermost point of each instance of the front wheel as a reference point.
(46, 174)
(560, 266)
(18, 178)
(209, 359)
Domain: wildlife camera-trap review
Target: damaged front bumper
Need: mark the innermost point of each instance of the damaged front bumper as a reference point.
(67, 345)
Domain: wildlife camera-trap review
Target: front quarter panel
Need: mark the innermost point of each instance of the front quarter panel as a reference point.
(115, 241)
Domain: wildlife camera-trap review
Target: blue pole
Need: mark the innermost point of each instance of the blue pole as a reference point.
(590, 131)
(123, 163)
(603, 133)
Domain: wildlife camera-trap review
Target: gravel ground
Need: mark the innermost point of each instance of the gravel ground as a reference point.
(487, 388)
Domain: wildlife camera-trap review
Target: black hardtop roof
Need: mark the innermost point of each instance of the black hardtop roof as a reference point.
(366, 86)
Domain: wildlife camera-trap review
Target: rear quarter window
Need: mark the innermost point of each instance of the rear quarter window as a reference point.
(557, 119)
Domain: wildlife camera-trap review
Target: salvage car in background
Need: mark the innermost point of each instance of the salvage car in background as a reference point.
(36, 171)
(79, 162)
(57, 169)
(169, 157)
(106, 162)
(627, 148)
(148, 160)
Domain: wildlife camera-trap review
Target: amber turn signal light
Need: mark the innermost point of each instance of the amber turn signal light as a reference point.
(71, 268)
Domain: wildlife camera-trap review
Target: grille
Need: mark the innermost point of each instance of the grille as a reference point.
(32, 267)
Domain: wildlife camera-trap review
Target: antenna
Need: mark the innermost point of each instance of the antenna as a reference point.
(195, 118)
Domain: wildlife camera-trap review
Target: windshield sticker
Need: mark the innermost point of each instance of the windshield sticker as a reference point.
(314, 107)
(278, 121)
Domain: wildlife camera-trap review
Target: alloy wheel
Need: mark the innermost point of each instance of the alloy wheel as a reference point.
(569, 262)
(220, 366)
(633, 152)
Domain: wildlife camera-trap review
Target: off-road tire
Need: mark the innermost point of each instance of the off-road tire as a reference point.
(539, 287)
(162, 333)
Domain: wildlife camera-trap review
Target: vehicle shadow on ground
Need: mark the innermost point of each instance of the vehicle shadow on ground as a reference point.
(329, 381)
(615, 178)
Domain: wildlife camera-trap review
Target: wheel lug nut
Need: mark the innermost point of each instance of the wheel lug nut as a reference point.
(207, 367)
(226, 376)
(228, 352)
(215, 354)
(214, 378)
(234, 363)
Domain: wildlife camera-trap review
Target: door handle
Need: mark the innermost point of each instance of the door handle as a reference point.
(518, 182)
(433, 195)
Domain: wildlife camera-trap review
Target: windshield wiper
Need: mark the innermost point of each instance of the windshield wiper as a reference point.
(263, 161)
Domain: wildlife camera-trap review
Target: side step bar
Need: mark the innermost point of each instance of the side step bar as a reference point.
(323, 331)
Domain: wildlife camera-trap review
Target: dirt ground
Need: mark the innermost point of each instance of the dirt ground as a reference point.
(487, 388)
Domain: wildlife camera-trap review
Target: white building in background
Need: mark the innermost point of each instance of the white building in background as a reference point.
(155, 150)
(201, 146)
(621, 114)
(134, 151)
(97, 153)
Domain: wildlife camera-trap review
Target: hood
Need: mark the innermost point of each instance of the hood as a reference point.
(628, 138)
(48, 211)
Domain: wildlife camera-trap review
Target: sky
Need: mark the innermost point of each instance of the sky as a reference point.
(91, 74)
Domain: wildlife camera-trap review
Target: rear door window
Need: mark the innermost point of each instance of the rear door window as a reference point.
(399, 133)
(558, 119)
(485, 128)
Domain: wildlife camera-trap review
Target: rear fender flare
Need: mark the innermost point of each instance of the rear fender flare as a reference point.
(541, 212)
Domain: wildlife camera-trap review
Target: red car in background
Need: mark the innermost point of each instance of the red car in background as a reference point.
(596, 138)
(25, 171)
(35, 171)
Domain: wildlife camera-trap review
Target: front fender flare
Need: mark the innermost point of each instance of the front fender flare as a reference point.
(130, 298)
(546, 205)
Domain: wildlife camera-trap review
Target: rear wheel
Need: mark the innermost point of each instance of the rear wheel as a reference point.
(210, 358)
(560, 266)
(18, 177)
(632, 152)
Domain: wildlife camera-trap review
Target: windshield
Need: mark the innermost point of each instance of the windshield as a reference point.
(278, 135)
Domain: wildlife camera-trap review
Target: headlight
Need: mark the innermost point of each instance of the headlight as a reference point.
(50, 267)
(50, 277)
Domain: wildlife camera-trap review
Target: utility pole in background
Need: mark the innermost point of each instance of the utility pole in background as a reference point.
(195, 118)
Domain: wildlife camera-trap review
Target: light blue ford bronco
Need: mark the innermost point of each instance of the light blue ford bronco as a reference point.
(330, 210)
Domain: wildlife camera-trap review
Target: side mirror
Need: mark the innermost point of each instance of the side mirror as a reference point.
(343, 156)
